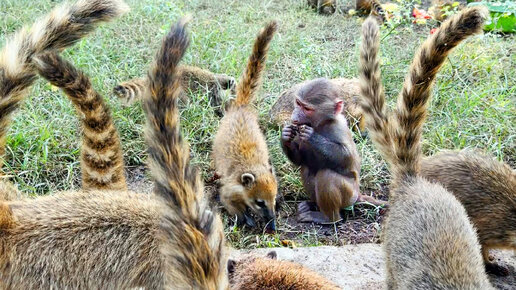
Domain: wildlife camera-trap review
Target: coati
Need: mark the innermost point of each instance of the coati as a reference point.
(440, 7)
(323, 6)
(429, 242)
(62, 27)
(240, 154)
(374, 7)
(252, 272)
(102, 161)
(347, 89)
(102, 238)
(192, 78)
(320, 142)
(487, 190)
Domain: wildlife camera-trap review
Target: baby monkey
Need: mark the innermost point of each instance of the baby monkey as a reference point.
(320, 141)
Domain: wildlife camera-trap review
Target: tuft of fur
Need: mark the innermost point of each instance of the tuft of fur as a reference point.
(252, 272)
(429, 242)
(371, 7)
(102, 161)
(239, 147)
(487, 190)
(192, 78)
(198, 259)
(325, 7)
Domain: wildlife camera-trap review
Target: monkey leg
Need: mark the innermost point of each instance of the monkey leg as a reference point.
(309, 186)
(333, 192)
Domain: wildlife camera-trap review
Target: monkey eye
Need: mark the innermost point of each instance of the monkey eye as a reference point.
(260, 203)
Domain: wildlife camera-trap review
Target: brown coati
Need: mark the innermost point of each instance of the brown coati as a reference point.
(114, 239)
(373, 7)
(429, 242)
(487, 190)
(62, 27)
(252, 272)
(240, 153)
(347, 89)
(193, 79)
(323, 6)
(102, 161)
(440, 7)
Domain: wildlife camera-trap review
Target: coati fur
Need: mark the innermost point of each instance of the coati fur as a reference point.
(240, 153)
(429, 242)
(487, 190)
(323, 6)
(373, 7)
(193, 78)
(61, 28)
(102, 160)
(103, 238)
(348, 90)
(439, 7)
(254, 273)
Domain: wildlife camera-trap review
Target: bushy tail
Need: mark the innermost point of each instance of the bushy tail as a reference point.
(376, 8)
(131, 91)
(102, 162)
(251, 78)
(62, 27)
(403, 132)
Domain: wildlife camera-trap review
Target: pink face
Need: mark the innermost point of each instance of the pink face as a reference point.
(302, 113)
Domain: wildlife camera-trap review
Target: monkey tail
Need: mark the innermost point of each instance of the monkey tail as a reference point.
(251, 78)
(62, 27)
(131, 91)
(102, 162)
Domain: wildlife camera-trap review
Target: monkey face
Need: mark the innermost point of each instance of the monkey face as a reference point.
(302, 113)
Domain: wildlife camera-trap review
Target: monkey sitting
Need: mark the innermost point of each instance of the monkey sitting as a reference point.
(252, 272)
(347, 89)
(320, 141)
(193, 78)
(326, 7)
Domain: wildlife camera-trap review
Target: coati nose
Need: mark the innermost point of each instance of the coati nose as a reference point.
(271, 226)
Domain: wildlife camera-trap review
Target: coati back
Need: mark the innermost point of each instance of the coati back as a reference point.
(102, 161)
(193, 78)
(61, 28)
(119, 240)
(253, 272)
(240, 152)
(348, 89)
(487, 190)
(429, 242)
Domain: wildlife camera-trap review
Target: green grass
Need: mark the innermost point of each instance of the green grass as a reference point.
(473, 106)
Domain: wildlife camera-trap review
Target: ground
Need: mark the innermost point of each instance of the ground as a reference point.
(473, 102)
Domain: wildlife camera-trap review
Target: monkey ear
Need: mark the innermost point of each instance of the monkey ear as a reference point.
(247, 179)
(339, 106)
(272, 255)
(231, 266)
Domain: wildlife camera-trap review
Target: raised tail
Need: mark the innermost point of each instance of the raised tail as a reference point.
(62, 27)
(251, 78)
(376, 8)
(102, 162)
(399, 137)
(131, 91)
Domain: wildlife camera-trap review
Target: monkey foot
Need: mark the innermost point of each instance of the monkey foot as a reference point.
(315, 217)
(305, 206)
(372, 200)
(497, 270)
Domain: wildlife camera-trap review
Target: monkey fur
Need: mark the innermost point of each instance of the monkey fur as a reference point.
(348, 90)
(253, 273)
(325, 7)
(105, 238)
(429, 242)
(193, 78)
(487, 190)
(240, 153)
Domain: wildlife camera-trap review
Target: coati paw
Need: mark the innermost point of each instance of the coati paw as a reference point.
(496, 270)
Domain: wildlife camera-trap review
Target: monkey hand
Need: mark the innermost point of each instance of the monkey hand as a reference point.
(305, 132)
(288, 133)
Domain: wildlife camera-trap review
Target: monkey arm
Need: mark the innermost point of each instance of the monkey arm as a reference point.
(330, 154)
(291, 149)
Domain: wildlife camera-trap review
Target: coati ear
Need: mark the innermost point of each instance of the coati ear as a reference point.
(339, 106)
(231, 266)
(247, 179)
(272, 255)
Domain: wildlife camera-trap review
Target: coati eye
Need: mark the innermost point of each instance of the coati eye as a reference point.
(260, 203)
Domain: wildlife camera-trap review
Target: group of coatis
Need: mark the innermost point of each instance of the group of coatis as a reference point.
(446, 211)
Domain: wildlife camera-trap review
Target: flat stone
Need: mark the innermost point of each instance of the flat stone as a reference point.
(362, 266)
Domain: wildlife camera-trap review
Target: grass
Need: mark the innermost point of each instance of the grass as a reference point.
(473, 106)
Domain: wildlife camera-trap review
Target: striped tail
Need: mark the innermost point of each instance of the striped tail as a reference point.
(252, 76)
(102, 162)
(62, 27)
(131, 91)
